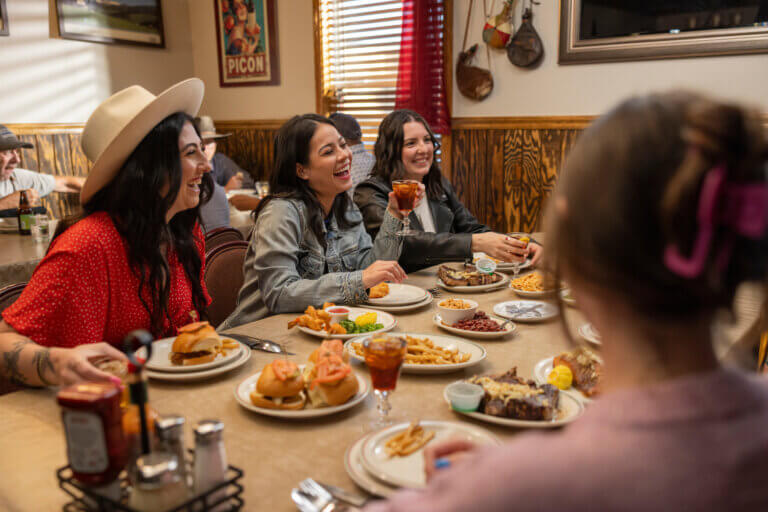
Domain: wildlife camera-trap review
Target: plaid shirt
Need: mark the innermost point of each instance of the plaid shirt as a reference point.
(362, 163)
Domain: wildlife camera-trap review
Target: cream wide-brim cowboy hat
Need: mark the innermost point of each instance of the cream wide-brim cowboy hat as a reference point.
(119, 124)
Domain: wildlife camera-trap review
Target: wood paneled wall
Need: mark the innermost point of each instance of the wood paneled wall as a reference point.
(251, 144)
(57, 151)
(504, 169)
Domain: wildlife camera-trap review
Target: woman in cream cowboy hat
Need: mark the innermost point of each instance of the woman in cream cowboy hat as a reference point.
(134, 258)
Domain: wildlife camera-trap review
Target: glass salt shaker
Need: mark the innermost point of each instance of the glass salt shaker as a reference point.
(170, 436)
(210, 461)
(157, 486)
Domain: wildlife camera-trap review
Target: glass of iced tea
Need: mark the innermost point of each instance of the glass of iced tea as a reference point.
(406, 192)
(384, 356)
(525, 238)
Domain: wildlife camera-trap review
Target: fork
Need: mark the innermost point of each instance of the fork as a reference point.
(312, 497)
(436, 292)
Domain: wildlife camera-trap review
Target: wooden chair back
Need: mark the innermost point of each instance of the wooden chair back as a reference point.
(224, 277)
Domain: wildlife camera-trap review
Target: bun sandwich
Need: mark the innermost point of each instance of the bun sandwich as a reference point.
(329, 347)
(280, 386)
(330, 381)
(197, 343)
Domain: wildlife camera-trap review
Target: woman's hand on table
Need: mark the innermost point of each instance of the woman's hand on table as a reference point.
(501, 247)
(392, 206)
(382, 270)
(73, 365)
(452, 451)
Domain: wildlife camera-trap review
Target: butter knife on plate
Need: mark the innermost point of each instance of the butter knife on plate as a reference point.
(259, 344)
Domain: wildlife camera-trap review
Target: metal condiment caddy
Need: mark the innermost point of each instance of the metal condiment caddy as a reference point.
(85, 499)
(158, 481)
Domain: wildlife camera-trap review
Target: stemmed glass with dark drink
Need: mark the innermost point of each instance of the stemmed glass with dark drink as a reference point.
(384, 356)
(406, 192)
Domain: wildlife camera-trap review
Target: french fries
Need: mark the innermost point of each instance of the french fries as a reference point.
(533, 282)
(408, 441)
(317, 320)
(424, 351)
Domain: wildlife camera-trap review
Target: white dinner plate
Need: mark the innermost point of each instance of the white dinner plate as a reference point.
(503, 266)
(400, 295)
(475, 334)
(565, 296)
(569, 409)
(590, 334)
(476, 352)
(354, 465)
(161, 362)
(9, 225)
(386, 319)
(402, 309)
(408, 471)
(243, 396)
(478, 288)
(542, 370)
(526, 310)
(245, 355)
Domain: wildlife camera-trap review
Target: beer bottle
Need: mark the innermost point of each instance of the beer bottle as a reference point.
(25, 213)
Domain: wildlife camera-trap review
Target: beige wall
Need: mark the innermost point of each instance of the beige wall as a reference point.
(296, 92)
(588, 89)
(46, 80)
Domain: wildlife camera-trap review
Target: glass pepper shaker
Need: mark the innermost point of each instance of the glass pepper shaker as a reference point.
(210, 461)
(157, 486)
(170, 435)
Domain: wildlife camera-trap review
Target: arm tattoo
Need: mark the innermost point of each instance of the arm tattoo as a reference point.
(11, 360)
(42, 361)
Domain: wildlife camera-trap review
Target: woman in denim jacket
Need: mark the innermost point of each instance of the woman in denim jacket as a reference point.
(309, 243)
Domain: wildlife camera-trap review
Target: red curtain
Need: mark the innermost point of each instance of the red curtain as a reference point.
(420, 73)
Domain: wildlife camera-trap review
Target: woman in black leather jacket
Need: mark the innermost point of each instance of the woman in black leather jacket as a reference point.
(405, 149)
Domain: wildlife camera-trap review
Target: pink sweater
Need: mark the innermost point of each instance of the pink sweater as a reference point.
(695, 443)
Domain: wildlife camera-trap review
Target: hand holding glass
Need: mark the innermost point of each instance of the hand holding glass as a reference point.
(524, 238)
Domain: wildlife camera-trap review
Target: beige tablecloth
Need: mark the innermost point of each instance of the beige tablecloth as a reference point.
(19, 255)
(275, 454)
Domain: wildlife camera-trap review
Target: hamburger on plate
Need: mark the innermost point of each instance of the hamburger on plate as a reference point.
(197, 343)
(280, 386)
(330, 381)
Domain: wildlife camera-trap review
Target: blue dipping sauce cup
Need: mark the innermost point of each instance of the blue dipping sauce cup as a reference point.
(464, 397)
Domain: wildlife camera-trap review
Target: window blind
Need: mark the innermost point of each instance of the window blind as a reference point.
(360, 51)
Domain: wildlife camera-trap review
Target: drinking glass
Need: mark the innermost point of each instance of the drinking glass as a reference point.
(384, 356)
(406, 192)
(40, 228)
(262, 189)
(525, 238)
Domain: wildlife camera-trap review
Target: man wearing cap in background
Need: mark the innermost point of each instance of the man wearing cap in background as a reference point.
(362, 160)
(13, 180)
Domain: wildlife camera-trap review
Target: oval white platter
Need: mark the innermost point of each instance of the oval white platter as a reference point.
(526, 310)
(477, 353)
(386, 319)
(475, 334)
(477, 288)
(245, 355)
(161, 362)
(400, 295)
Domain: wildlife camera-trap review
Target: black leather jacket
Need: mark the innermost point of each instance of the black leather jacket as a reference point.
(453, 223)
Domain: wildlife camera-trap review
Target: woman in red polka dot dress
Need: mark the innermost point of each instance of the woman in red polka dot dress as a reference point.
(134, 258)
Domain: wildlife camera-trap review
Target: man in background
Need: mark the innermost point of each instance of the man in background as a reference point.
(13, 180)
(362, 160)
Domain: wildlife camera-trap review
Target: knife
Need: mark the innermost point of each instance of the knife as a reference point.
(259, 344)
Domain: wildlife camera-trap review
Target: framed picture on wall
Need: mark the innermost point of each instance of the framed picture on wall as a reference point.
(246, 40)
(138, 22)
(3, 19)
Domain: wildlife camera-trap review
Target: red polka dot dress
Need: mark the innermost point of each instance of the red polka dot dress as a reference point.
(83, 291)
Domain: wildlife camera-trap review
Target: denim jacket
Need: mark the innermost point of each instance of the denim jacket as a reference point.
(286, 268)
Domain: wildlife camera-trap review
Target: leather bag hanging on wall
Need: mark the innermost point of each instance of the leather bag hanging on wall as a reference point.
(473, 82)
(498, 30)
(526, 48)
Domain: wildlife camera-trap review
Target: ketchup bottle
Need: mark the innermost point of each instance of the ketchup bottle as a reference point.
(93, 427)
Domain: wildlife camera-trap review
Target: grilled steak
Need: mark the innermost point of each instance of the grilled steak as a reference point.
(510, 396)
(467, 276)
(586, 368)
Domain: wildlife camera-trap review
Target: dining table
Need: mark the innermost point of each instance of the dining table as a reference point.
(276, 454)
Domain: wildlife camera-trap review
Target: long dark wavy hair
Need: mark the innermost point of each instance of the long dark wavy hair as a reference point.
(134, 202)
(389, 151)
(291, 148)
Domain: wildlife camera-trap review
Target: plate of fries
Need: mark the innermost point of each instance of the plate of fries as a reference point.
(394, 455)
(317, 322)
(161, 349)
(429, 353)
(533, 285)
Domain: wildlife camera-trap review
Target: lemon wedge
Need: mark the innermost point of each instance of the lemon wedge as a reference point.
(366, 319)
(560, 377)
